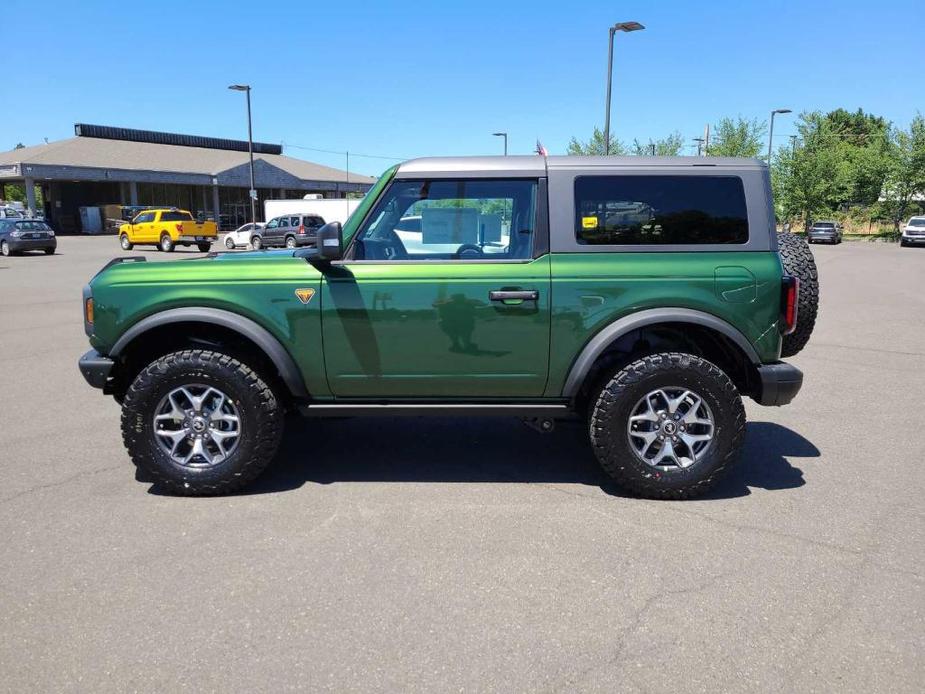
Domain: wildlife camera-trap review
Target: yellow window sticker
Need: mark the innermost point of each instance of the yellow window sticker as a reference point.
(589, 222)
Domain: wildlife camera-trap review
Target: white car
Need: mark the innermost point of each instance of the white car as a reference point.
(913, 232)
(241, 237)
(10, 212)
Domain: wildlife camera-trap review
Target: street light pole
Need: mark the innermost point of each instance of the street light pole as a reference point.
(252, 193)
(771, 130)
(699, 141)
(620, 26)
(504, 135)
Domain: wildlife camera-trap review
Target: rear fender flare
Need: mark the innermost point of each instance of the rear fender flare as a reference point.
(641, 319)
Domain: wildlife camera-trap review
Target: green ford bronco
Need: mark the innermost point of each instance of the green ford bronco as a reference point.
(644, 296)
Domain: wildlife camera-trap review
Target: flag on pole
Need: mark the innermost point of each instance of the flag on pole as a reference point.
(540, 149)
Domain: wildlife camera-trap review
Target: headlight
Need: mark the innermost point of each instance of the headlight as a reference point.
(16, 234)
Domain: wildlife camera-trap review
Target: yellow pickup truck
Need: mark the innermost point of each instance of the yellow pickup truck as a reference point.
(167, 228)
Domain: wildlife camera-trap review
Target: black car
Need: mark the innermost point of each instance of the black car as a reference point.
(18, 235)
(291, 231)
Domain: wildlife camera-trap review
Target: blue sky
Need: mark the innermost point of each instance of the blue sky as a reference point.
(405, 79)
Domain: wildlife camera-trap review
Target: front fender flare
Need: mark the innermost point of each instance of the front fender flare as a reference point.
(641, 319)
(245, 327)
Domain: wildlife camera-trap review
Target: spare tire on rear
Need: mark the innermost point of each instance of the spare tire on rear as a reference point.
(798, 261)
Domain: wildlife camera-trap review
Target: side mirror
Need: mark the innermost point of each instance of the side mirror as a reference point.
(331, 241)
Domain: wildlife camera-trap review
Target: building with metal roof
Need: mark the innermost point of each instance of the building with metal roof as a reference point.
(208, 176)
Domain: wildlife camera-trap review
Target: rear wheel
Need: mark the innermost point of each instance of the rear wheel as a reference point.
(201, 422)
(290, 242)
(797, 259)
(667, 426)
(126, 244)
(166, 243)
(256, 243)
(204, 247)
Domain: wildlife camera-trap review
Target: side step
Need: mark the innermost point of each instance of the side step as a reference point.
(423, 409)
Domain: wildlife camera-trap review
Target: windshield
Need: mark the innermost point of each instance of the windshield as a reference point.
(920, 222)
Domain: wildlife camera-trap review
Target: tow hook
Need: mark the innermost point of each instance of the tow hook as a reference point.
(543, 425)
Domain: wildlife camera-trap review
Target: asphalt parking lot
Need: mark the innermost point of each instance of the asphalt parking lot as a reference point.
(470, 555)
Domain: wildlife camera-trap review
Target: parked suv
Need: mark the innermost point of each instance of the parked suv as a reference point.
(643, 296)
(913, 232)
(290, 230)
(828, 231)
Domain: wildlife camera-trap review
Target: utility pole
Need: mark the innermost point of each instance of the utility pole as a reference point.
(252, 193)
(771, 129)
(699, 141)
(504, 135)
(620, 26)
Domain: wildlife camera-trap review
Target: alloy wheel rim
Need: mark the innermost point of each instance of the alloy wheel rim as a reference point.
(671, 428)
(197, 425)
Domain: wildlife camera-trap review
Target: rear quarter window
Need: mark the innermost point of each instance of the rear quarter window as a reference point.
(660, 210)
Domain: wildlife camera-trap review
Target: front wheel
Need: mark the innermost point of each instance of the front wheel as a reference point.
(229, 243)
(5, 249)
(166, 244)
(667, 426)
(201, 422)
(126, 244)
(49, 251)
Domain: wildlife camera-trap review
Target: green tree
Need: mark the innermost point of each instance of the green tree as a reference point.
(842, 162)
(670, 146)
(904, 179)
(595, 145)
(741, 137)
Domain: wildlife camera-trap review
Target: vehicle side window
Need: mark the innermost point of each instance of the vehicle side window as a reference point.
(283, 222)
(466, 219)
(144, 218)
(176, 216)
(660, 210)
(294, 221)
(314, 222)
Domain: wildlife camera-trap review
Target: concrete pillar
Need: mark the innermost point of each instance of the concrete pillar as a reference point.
(205, 205)
(133, 193)
(30, 194)
(215, 207)
(282, 193)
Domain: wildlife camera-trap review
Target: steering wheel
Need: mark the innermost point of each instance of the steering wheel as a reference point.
(468, 250)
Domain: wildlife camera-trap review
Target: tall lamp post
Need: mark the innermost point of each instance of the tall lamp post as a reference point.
(620, 26)
(771, 130)
(504, 135)
(252, 193)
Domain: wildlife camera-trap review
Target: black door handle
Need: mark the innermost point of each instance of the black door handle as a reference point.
(513, 295)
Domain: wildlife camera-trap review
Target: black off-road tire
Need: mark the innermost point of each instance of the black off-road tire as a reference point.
(615, 402)
(260, 412)
(798, 261)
